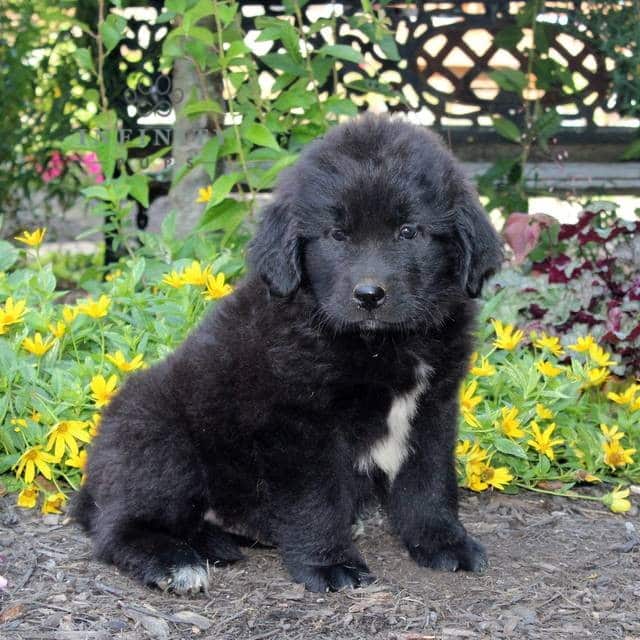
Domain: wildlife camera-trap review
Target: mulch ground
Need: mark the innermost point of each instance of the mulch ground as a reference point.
(558, 570)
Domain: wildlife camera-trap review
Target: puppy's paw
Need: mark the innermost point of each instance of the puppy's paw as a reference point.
(333, 577)
(465, 554)
(184, 580)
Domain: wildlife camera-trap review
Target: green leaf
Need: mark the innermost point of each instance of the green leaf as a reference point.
(509, 79)
(508, 37)
(260, 135)
(137, 269)
(8, 255)
(112, 30)
(283, 62)
(222, 187)
(506, 129)
(201, 9)
(139, 188)
(389, 47)
(297, 96)
(203, 35)
(226, 13)
(269, 176)
(97, 191)
(200, 107)
(341, 106)
(83, 57)
(225, 216)
(504, 445)
(342, 52)
(540, 38)
(8, 461)
(46, 280)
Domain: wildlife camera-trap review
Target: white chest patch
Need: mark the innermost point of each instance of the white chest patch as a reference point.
(390, 452)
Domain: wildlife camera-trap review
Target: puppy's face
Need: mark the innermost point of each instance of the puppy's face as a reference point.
(380, 254)
(377, 222)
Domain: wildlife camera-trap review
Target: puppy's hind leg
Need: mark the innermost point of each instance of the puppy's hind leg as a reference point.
(154, 557)
(216, 545)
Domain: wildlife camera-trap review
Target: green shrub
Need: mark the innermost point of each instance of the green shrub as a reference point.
(545, 417)
(60, 363)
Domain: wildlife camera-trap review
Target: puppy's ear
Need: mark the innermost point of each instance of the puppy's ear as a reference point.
(481, 246)
(274, 253)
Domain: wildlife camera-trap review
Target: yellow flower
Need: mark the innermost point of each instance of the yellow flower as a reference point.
(600, 356)
(69, 314)
(486, 476)
(550, 343)
(64, 434)
(78, 461)
(18, 423)
(507, 337)
(195, 274)
(120, 361)
(12, 313)
(543, 412)
(585, 476)
(34, 458)
(583, 344)
(470, 454)
(53, 503)
(509, 423)
(542, 440)
(626, 397)
(94, 425)
(58, 329)
(548, 369)
(615, 455)
(484, 370)
(611, 433)
(174, 279)
(35, 416)
(468, 403)
(103, 390)
(95, 308)
(617, 500)
(110, 277)
(204, 194)
(28, 497)
(32, 238)
(216, 287)
(595, 377)
(36, 345)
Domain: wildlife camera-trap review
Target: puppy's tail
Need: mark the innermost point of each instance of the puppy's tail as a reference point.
(83, 508)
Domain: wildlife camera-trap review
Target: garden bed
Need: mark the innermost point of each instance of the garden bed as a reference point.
(558, 569)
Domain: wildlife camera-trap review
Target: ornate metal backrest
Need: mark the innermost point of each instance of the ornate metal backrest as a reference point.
(447, 51)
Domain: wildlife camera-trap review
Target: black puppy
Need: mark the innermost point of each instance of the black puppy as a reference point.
(330, 375)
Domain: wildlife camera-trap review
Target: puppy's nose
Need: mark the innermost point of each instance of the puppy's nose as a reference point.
(368, 296)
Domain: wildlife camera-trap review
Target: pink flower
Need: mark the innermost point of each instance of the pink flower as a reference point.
(55, 166)
(92, 166)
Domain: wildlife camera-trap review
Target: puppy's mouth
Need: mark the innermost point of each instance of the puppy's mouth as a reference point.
(376, 325)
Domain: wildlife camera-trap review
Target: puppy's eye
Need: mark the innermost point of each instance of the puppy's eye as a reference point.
(338, 234)
(408, 231)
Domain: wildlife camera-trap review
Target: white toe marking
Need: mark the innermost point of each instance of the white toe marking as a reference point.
(391, 451)
(212, 517)
(189, 578)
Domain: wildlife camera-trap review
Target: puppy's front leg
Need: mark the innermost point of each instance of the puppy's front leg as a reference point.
(423, 503)
(311, 524)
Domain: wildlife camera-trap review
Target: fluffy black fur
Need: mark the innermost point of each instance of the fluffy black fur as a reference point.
(266, 419)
